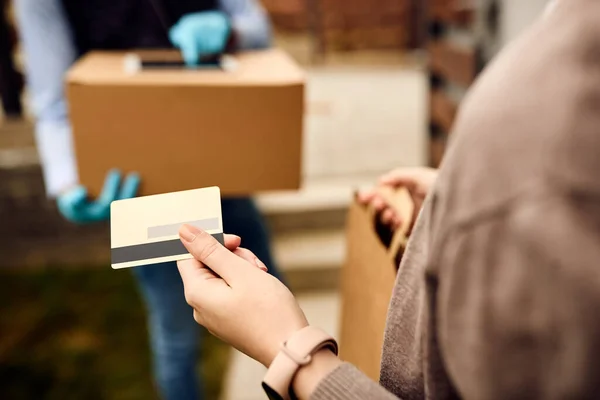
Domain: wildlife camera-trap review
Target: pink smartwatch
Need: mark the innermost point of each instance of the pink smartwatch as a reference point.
(294, 354)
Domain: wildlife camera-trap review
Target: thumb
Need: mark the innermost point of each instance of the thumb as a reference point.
(199, 283)
(70, 203)
(207, 250)
(190, 270)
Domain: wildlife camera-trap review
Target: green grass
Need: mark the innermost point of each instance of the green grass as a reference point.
(81, 334)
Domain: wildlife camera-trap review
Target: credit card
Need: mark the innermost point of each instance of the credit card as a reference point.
(145, 230)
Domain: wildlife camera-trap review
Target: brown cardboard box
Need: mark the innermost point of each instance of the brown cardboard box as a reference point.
(368, 277)
(181, 129)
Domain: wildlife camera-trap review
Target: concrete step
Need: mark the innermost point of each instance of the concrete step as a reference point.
(308, 229)
(305, 250)
(311, 260)
(321, 203)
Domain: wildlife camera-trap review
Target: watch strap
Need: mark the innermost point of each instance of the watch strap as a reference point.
(295, 353)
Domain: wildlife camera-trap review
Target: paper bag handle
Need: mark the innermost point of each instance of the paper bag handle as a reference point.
(395, 240)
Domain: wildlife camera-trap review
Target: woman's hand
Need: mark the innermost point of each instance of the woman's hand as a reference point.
(234, 300)
(418, 182)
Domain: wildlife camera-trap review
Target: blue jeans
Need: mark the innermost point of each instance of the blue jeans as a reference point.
(174, 335)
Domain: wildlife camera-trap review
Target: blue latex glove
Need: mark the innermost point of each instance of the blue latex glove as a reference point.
(200, 34)
(76, 207)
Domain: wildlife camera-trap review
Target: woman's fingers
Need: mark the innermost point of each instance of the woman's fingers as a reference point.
(366, 196)
(378, 203)
(232, 242)
(417, 181)
(401, 177)
(250, 257)
(390, 218)
(371, 197)
(199, 283)
(387, 216)
(397, 222)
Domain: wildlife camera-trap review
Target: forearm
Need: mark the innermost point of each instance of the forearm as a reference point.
(251, 33)
(55, 149)
(49, 52)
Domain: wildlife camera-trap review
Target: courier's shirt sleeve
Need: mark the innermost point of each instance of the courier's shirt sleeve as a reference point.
(250, 23)
(49, 51)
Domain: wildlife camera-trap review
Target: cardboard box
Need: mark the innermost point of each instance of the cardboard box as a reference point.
(368, 278)
(182, 129)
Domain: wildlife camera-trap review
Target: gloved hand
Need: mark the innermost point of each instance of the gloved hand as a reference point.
(75, 206)
(200, 34)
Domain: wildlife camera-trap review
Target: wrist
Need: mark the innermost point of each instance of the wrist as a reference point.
(67, 189)
(307, 379)
(268, 354)
(301, 364)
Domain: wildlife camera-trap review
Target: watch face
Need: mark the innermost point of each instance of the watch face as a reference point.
(271, 394)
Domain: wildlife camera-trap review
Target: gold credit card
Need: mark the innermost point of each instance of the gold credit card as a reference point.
(145, 230)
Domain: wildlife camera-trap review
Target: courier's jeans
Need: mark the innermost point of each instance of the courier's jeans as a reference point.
(174, 334)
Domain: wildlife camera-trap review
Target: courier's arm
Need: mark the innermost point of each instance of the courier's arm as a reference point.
(249, 22)
(49, 52)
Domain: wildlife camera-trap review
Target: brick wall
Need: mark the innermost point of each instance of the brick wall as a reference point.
(464, 36)
(358, 24)
(288, 15)
(346, 24)
(454, 62)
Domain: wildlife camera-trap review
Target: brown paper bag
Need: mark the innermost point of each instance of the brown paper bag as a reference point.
(368, 278)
